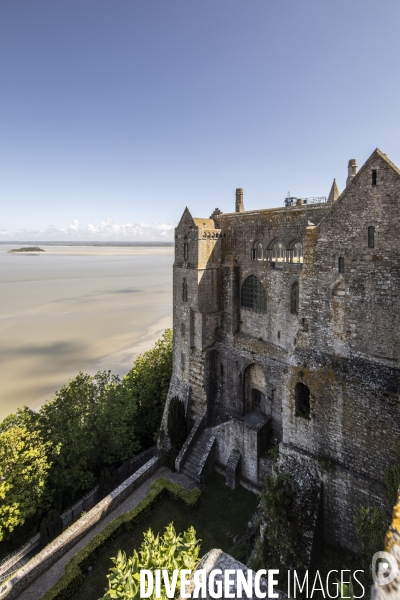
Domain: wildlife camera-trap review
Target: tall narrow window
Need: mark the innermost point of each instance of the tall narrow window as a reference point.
(294, 299)
(185, 250)
(371, 237)
(373, 176)
(260, 253)
(302, 394)
(341, 264)
(184, 290)
(253, 295)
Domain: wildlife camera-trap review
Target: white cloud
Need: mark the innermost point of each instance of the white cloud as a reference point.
(107, 230)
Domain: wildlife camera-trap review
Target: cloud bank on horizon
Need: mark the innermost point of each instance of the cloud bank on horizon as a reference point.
(107, 230)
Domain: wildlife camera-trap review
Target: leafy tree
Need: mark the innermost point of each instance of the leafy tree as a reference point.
(146, 386)
(24, 468)
(90, 423)
(24, 417)
(170, 551)
(50, 527)
(177, 430)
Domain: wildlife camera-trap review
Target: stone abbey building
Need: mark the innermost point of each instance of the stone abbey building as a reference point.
(286, 331)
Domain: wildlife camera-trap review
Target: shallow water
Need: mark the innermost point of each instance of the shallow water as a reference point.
(77, 308)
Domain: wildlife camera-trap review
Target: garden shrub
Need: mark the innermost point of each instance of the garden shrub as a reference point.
(169, 551)
(69, 582)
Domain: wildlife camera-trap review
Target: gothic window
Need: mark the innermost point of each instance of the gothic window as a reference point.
(278, 252)
(373, 176)
(259, 251)
(302, 394)
(341, 264)
(371, 237)
(253, 295)
(297, 252)
(294, 299)
(186, 250)
(184, 290)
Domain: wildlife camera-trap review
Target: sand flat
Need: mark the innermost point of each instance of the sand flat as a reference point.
(77, 308)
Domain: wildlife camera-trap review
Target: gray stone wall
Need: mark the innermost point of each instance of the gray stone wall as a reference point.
(341, 341)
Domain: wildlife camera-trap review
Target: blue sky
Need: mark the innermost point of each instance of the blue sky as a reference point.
(116, 114)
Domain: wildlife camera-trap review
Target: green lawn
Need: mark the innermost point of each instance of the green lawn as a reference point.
(222, 516)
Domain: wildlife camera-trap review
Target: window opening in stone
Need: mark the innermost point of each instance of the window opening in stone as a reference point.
(278, 252)
(253, 254)
(259, 252)
(294, 299)
(373, 176)
(279, 335)
(184, 290)
(302, 394)
(341, 264)
(371, 237)
(253, 295)
(296, 253)
(256, 399)
(186, 250)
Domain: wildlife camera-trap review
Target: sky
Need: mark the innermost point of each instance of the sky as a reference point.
(116, 114)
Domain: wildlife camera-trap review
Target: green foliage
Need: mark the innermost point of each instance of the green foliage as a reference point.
(392, 482)
(371, 526)
(70, 581)
(176, 425)
(50, 527)
(146, 386)
(24, 468)
(169, 551)
(274, 452)
(325, 463)
(346, 591)
(93, 424)
(283, 543)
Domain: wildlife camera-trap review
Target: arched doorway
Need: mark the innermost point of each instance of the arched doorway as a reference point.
(255, 391)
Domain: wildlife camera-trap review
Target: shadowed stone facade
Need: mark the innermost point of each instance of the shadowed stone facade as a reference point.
(286, 331)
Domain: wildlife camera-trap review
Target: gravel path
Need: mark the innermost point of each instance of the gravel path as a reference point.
(48, 579)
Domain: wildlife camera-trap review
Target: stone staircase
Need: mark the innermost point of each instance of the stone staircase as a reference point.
(193, 461)
(198, 397)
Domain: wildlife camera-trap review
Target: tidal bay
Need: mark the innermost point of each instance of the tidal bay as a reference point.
(77, 308)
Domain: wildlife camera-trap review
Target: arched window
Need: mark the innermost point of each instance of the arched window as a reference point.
(302, 394)
(371, 237)
(278, 253)
(259, 251)
(184, 290)
(186, 250)
(341, 264)
(294, 299)
(297, 252)
(253, 295)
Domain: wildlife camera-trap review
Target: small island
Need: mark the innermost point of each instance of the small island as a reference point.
(27, 249)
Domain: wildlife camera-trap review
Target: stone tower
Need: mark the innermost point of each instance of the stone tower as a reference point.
(352, 170)
(239, 200)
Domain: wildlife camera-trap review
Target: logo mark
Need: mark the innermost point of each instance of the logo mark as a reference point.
(387, 569)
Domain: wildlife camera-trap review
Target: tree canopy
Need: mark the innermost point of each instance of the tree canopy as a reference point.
(49, 458)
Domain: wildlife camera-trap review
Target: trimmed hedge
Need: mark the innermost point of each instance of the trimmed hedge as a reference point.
(71, 580)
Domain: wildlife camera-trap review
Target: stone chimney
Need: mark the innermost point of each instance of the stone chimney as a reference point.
(239, 200)
(352, 170)
(334, 193)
